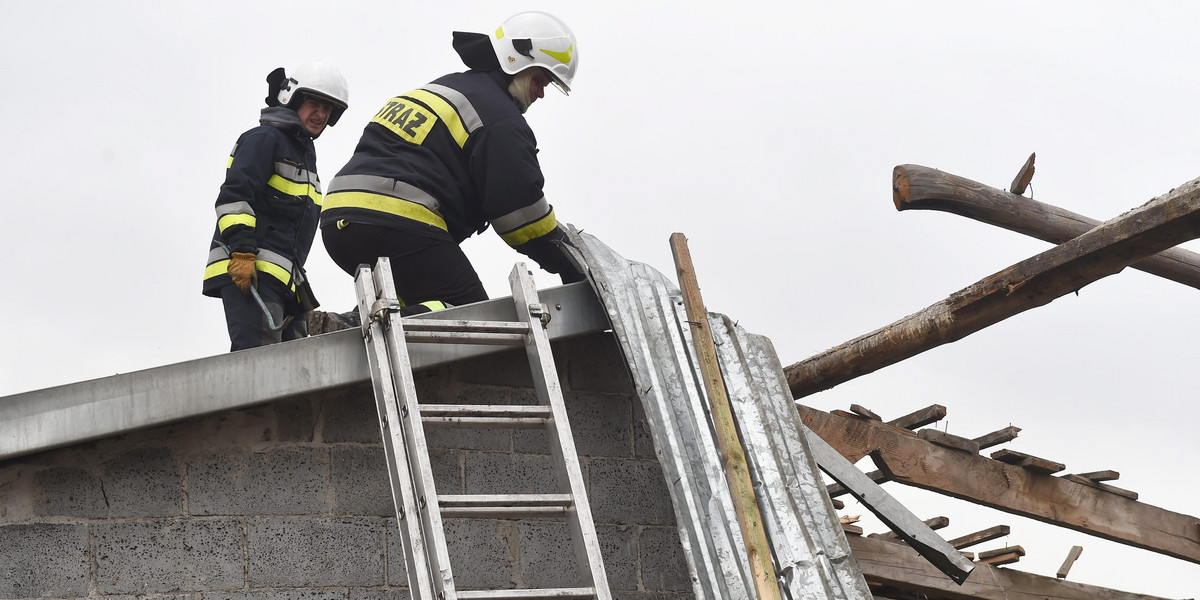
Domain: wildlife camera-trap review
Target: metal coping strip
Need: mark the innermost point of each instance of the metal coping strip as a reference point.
(59, 416)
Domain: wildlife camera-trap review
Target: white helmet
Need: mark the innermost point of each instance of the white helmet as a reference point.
(317, 78)
(537, 39)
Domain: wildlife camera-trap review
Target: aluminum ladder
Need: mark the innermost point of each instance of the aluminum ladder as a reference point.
(420, 522)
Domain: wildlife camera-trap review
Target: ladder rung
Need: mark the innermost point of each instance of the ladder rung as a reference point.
(447, 500)
(484, 410)
(466, 326)
(500, 506)
(474, 415)
(583, 592)
(464, 337)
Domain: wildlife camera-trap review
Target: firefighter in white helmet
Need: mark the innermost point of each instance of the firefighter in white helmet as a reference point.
(268, 208)
(442, 162)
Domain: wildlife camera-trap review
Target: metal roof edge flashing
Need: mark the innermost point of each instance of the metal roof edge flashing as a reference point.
(53, 417)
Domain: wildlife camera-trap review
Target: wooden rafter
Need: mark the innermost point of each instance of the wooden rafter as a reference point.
(888, 566)
(958, 195)
(1160, 224)
(1057, 500)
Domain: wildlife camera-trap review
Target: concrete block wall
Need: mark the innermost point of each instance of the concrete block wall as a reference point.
(291, 500)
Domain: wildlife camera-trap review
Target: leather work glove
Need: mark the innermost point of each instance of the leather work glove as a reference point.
(243, 271)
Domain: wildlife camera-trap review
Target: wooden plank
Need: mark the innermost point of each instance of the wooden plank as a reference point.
(979, 537)
(1002, 556)
(733, 455)
(1112, 489)
(895, 515)
(836, 489)
(1163, 222)
(949, 440)
(862, 411)
(998, 437)
(1024, 176)
(1099, 476)
(1046, 222)
(1072, 556)
(1033, 463)
(1056, 500)
(934, 523)
(897, 571)
(920, 418)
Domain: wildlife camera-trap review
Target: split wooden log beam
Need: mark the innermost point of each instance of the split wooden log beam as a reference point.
(896, 569)
(936, 190)
(1158, 225)
(1056, 500)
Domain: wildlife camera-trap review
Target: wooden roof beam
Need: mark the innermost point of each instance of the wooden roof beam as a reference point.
(888, 567)
(958, 195)
(1156, 226)
(1057, 500)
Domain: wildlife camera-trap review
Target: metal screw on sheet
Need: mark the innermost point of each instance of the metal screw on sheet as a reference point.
(404, 411)
(422, 503)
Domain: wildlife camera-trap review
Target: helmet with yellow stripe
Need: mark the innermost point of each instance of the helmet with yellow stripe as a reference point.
(537, 39)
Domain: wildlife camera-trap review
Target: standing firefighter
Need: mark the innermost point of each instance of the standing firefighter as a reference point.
(268, 207)
(439, 163)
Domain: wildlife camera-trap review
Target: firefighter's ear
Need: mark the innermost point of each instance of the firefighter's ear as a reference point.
(275, 81)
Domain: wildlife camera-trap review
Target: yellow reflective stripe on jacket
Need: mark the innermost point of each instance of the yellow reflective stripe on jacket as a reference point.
(228, 221)
(385, 204)
(292, 188)
(445, 111)
(274, 270)
(531, 231)
(220, 267)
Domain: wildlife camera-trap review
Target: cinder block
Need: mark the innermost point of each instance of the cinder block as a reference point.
(492, 473)
(168, 556)
(397, 573)
(265, 595)
(157, 597)
(601, 425)
(360, 481)
(315, 552)
(548, 556)
(643, 439)
(594, 363)
(146, 482)
(619, 546)
(468, 438)
(688, 595)
(351, 417)
(277, 482)
(39, 560)
(290, 420)
(626, 491)
(70, 492)
(662, 561)
(485, 554)
(509, 368)
(379, 594)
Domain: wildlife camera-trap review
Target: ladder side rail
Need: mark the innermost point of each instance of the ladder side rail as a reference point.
(566, 460)
(426, 497)
(403, 496)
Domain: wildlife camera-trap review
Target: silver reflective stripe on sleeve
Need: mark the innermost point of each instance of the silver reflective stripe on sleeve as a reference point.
(385, 186)
(522, 216)
(296, 174)
(466, 112)
(235, 208)
(217, 254)
(275, 259)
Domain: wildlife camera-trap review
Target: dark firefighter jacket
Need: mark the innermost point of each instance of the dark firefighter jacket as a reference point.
(446, 160)
(270, 201)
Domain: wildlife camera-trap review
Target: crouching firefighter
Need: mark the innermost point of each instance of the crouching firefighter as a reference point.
(442, 162)
(269, 206)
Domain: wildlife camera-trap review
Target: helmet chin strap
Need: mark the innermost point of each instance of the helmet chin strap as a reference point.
(519, 88)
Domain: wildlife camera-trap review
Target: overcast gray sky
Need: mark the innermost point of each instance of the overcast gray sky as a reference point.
(764, 131)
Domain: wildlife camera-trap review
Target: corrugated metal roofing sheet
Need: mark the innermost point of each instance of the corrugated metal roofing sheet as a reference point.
(812, 557)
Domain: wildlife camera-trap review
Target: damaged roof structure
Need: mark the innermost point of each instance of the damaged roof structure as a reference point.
(183, 480)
